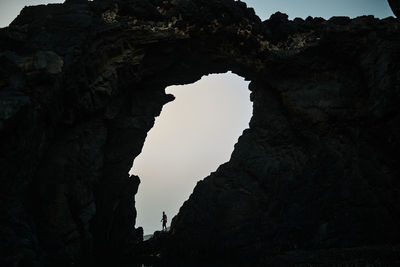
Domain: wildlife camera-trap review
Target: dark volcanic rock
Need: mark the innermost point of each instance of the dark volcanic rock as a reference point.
(81, 83)
(395, 6)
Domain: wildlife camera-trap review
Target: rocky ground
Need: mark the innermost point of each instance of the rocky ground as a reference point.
(315, 176)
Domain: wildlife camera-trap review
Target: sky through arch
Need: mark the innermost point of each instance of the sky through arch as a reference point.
(193, 135)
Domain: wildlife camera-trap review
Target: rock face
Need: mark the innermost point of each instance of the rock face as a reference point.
(81, 83)
(395, 5)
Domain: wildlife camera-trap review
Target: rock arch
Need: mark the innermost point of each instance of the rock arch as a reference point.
(82, 82)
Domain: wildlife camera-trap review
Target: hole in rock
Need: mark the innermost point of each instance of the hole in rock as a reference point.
(194, 134)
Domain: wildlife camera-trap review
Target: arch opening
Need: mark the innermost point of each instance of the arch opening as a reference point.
(191, 138)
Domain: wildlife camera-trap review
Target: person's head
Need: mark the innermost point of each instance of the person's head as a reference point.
(163, 212)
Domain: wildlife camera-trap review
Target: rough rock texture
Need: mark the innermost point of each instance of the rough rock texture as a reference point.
(81, 83)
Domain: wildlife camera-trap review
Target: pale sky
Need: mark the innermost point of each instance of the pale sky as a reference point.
(196, 133)
(193, 136)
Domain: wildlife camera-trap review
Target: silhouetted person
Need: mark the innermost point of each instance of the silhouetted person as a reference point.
(164, 221)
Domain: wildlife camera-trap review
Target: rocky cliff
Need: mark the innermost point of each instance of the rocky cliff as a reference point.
(81, 83)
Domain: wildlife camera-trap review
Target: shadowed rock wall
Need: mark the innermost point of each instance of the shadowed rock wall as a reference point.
(395, 5)
(81, 83)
